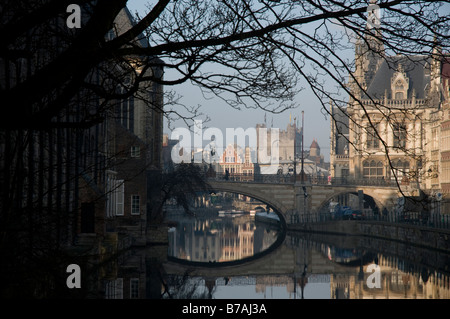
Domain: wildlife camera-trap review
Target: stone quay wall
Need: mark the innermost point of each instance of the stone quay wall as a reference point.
(431, 238)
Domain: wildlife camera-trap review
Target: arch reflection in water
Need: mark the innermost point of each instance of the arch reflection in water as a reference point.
(217, 239)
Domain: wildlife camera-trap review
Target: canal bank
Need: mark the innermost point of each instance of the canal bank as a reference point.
(431, 238)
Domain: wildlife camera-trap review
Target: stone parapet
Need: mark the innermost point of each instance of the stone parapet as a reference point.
(431, 238)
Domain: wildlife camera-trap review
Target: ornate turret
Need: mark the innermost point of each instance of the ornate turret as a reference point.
(369, 51)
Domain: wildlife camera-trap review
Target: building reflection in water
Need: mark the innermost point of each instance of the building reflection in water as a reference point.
(396, 283)
(219, 239)
(305, 267)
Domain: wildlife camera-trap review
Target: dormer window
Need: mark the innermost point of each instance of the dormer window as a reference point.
(399, 84)
(399, 96)
(399, 90)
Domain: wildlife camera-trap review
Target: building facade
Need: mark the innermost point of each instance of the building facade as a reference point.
(236, 161)
(287, 146)
(393, 126)
(77, 180)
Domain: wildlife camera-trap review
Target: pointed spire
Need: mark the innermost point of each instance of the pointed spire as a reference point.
(373, 17)
(370, 51)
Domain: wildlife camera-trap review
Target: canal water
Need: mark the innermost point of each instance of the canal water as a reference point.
(222, 236)
(238, 255)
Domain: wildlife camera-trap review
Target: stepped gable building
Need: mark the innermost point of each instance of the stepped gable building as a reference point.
(237, 161)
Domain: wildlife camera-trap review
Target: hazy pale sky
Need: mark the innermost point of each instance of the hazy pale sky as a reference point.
(222, 116)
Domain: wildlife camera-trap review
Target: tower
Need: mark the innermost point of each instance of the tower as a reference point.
(314, 150)
(369, 50)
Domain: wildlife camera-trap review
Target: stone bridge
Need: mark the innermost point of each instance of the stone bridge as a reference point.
(289, 199)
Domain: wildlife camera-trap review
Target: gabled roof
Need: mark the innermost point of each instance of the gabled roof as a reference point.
(314, 144)
(417, 69)
(125, 21)
(142, 40)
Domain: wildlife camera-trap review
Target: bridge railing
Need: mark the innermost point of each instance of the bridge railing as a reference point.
(342, 181)
(431, 220)
(253, 178)
(308, 179)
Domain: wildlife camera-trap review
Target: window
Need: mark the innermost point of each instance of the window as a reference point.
(119, 194)
(400, 168)
(114, 289)
(229, 159)
(434, 139)
(345, 172)
(134, 288)
(399, 96)
(399, 85)
(135, 151)
(125, 113)
(373, 169)
(372, 139)
(399, 131)
(135, 205)
(114, 196)
(445, 171)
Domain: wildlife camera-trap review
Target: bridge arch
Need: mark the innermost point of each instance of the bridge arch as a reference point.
(285, 197)
(265, 262)
(368, 193)
(278, 207)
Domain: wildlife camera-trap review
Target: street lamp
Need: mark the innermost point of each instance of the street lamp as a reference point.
(305, 195)
(295, 153)
(302, 173)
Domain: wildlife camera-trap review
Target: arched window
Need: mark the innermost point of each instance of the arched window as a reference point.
(400, 168)
(280, 170)
(399, 86)
(373, 169)
(372, 140)
(400, 135)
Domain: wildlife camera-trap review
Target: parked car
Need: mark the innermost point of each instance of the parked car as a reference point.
(341, 212)
(347, 214)
(350, 214)
(357, 215)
